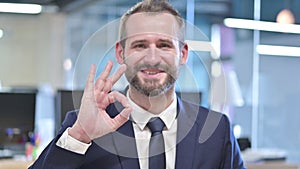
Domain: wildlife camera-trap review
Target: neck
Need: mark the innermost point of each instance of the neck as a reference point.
(153, 104)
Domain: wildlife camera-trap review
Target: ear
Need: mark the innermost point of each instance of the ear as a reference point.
(184, 54)
(119, 53)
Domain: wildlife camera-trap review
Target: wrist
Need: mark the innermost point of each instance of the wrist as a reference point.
(78, 133)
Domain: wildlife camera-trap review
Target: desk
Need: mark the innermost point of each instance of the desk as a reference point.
(271, 165)
(21, 164)
(14, 164)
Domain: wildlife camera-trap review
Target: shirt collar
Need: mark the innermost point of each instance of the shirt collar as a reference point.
(141, 116)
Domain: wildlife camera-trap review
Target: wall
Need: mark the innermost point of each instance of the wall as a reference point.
(278, 109)
(32, 49)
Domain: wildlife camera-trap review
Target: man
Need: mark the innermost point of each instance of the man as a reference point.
(151, 50)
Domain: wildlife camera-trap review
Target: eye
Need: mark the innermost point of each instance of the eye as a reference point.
(139, 46)
(164, 46)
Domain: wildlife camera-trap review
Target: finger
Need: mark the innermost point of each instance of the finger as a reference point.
(104, 75)
(101, 100)
(90, 81)
(118, 74)
(107, 86)
(121, 118)
(114, 78)
(89, 88)
(107, 70)
(117, 96)
(100, 84)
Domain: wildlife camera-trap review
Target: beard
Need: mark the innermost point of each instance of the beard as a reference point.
(151, 87)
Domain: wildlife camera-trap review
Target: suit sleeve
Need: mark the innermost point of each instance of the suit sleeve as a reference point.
(232, 155)
(55, 157)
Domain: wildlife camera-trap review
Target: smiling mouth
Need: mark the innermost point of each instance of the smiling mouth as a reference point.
(150, 71)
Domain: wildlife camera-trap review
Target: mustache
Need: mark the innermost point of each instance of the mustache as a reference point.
(157, 66)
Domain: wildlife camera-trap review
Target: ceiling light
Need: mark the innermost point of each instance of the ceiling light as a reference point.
(68, 64)
(278, 50)
(20, 8)
(1, 33)
(285, 16)
(262, 25)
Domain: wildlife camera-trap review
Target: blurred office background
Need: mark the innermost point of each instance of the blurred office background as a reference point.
(47, 52)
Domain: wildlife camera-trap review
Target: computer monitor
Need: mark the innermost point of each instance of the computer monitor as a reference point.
(17, 118)
(65, 101)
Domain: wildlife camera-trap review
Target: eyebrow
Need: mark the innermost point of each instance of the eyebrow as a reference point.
(145, 41)
(137, 41)
(160, 40)
(165, 40)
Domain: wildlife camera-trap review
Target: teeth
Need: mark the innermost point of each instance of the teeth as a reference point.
(151, 73)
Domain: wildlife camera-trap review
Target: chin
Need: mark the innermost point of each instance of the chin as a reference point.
(154, 87)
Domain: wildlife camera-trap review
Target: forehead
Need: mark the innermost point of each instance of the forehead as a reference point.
(159, 23)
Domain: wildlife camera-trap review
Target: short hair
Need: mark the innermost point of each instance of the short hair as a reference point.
(151, 6)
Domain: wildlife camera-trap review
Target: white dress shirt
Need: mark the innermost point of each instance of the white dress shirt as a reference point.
(140, 118)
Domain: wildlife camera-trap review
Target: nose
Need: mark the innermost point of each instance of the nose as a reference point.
(153, 55)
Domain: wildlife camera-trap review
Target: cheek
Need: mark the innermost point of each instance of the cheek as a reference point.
(173, 61)
(132, 58)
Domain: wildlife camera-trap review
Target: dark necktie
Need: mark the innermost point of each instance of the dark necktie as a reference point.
(157, 159)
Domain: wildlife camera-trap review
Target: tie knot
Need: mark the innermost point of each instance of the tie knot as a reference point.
(156, 125)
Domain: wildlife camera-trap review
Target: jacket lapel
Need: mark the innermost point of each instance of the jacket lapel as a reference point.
(123, 140)
(126, 146)
(186, 135)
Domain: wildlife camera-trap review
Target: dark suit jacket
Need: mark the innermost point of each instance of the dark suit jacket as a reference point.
(204, 141)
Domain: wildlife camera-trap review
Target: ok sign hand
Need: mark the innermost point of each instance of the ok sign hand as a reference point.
(93, 120)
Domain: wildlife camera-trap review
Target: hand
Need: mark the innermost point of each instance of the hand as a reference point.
(93, 120)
